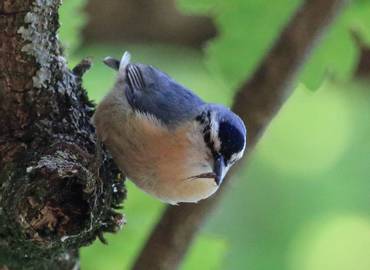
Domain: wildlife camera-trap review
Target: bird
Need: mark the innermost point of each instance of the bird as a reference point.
(163, 137)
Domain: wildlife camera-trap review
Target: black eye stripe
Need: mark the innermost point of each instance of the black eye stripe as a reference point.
(201, 118)
(231, 135)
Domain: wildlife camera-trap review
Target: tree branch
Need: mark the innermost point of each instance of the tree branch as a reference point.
(257, 102)
(53, 197)
(363, 67)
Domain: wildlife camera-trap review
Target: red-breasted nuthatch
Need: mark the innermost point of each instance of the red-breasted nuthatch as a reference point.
(167, 140)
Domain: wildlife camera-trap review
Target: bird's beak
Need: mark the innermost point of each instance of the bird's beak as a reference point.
(219, 169)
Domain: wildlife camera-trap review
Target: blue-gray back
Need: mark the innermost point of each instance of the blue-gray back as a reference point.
(152, 91)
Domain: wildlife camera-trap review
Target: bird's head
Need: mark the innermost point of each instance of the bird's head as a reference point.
(224, 133)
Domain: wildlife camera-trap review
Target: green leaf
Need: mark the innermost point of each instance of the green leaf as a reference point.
(247, 29)
(337, 54)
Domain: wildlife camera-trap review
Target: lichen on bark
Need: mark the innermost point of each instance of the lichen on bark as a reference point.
(39, 46)
(55, 194)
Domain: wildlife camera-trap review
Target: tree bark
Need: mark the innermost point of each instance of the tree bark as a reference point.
(257, 102)
(55, 195)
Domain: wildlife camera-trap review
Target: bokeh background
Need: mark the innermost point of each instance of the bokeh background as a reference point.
(303, 199)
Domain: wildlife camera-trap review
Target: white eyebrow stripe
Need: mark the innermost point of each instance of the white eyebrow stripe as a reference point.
(214, 127)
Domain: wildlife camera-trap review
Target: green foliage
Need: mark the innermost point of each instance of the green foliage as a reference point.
(337, 54)
(249, 28)
(72, 18)
(313, 244)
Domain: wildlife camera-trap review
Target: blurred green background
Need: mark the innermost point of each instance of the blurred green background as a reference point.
(303, 200)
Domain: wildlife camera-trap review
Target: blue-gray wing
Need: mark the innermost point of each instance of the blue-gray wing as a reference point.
(151, 91)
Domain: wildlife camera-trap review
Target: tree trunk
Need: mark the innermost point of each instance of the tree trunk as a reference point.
(55, 195)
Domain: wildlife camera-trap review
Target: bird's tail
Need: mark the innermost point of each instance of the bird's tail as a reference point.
(118, 65)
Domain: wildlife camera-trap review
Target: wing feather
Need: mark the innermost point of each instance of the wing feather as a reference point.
(154, 92)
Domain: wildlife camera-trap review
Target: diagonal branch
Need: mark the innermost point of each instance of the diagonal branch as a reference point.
(257, 102)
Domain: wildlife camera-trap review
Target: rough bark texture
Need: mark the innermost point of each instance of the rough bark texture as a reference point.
(143, 20)
(256, 102)
(55, 195)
